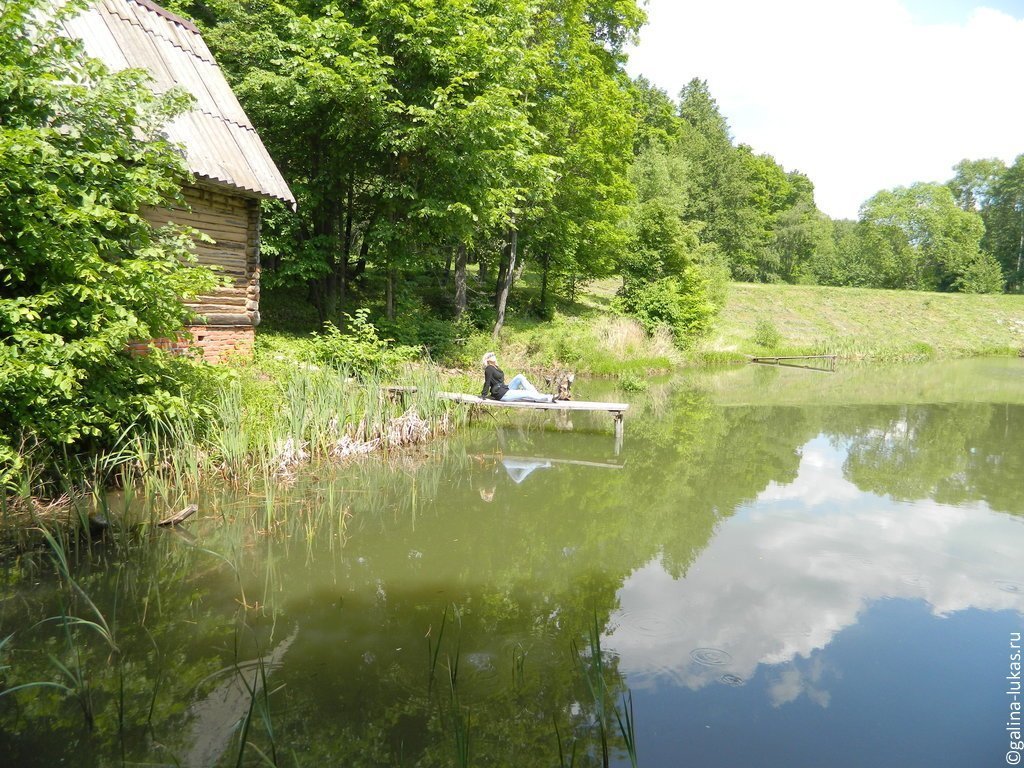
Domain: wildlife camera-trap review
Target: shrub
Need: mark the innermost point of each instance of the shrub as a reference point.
(766, 335)
(81, 271)
(683, 305)
(630, 382)
(983, 274)
(359, 348)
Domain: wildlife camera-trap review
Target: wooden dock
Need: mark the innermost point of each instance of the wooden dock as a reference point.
(827, 365)
(616, 409)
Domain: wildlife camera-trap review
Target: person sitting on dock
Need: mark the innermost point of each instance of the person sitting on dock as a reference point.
(519, 389)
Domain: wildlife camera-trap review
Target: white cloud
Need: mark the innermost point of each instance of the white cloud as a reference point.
(859, 96)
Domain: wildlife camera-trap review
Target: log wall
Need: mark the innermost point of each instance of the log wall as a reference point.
(224, 319)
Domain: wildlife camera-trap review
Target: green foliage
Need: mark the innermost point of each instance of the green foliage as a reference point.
(81, 271)
(980, 275)
(917, 238)
(1002, 209)
(766, 335)
(681, 304)
(358, 348)
(630, 382)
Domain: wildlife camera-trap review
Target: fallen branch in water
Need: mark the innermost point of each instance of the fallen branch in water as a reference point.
(180, 517)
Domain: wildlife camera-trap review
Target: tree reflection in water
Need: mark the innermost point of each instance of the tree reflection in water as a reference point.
(441, 603)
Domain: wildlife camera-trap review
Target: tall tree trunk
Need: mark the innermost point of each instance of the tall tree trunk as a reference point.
(346, 247)
(389, 291)
(520, 265)
(460, 280)
(513, 241)
(545, 263)
(447, 270)
(1020, 250)
(503, 270)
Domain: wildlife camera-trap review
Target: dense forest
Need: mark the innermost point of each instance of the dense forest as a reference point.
(423, 138)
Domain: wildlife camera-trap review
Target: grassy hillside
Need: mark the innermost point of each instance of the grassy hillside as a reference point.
(587, 337)
(863, 323)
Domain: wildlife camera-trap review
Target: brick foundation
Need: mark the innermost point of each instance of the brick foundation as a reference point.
(219, 342)
(212, 342)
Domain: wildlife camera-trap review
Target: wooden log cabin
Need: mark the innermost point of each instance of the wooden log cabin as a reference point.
(232, 168)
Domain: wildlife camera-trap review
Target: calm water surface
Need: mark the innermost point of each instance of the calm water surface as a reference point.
(781, 568)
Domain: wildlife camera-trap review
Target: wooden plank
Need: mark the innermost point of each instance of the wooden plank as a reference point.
(214, 300)
(199, 212)
(207, 197)
(557, 405)
(204, 308)
(233, 320)
(827, 363)
(217, 229)
(227, 294)
(241, 266)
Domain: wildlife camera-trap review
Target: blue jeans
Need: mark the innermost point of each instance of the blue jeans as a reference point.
(520, 388)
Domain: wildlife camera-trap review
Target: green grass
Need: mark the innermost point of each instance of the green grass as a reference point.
(583, 335)
(864, 323)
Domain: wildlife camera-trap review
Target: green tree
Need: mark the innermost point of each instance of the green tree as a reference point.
(1004, 224)
(721, 199)
(656, 116)
(406, 136)
(669, 277)
(81, 271)
(917, 238)
(974, 182)
(581, 107)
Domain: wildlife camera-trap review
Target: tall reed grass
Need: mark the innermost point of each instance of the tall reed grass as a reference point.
(265, 431)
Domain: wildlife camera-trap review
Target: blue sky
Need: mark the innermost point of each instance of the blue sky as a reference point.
(958, 11)
(859, 96)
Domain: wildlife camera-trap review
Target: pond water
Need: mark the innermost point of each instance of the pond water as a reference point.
(781, 568)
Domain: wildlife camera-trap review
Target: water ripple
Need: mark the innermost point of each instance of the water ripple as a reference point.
(734, 680)
(710, 657)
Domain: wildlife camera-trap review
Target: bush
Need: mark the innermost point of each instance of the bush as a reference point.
(81, 271)
(982, 274)
(682, 305)
(630, 382)
(766, 335)
(359, 348)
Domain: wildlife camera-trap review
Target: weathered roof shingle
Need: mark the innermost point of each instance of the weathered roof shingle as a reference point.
(220, 142)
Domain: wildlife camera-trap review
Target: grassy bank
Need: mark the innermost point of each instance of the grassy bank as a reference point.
(864, 323)
(586, 336)
(306, 397)
(255, 423)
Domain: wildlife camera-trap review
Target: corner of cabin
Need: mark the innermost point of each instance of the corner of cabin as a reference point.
(232, 168)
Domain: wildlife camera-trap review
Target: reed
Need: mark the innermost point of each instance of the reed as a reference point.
(595, 676)
(562, 761)
(264, 431)
(73, 680)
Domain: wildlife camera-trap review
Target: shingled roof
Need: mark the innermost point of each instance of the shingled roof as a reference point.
(220, 142)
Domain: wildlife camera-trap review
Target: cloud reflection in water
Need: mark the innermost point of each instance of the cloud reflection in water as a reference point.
(784, 575)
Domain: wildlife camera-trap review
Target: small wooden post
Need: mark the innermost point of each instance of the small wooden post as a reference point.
(618, 432)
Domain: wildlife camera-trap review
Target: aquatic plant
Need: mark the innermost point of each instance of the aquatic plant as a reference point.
(595, 676)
